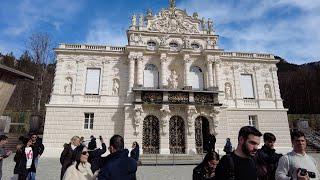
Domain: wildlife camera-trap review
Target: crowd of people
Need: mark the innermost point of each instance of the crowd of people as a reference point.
(246, 162)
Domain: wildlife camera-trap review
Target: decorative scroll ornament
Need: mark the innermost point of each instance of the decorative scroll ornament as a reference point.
(138, 113)
(191, 112)
(174, 21)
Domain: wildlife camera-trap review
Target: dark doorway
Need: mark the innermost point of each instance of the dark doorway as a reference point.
(202, 133)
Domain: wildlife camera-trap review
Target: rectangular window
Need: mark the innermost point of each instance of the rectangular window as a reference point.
(247, 86)
(93, 81)
(88, 120)
(253, 121)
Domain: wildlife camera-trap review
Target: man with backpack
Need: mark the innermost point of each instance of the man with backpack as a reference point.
(240, 164)
(297, 164)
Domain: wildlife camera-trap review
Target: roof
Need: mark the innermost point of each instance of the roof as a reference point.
(15, 72)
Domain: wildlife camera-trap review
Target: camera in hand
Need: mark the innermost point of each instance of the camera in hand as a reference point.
(100, 137)
(303, 172)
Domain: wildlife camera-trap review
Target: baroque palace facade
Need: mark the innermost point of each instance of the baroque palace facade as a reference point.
(168, 89)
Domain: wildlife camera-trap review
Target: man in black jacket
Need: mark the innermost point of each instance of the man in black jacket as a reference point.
(117, 165)
(95, 153)
(240, 164)
(67, 154)
(267, 158)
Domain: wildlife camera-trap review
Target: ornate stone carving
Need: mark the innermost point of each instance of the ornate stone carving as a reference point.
(149, 13)
(173, 80)
(172, 3)
(138, 116)
(228, 90)
(203, 24)
(141, 20)
(68, 85)
(115, 87)
(165, 112)
(203, 98)
(267, 91)
(151, 97)
(210, 26)
(191, 112)
(163, 40)
(178, 97)
(173, 21)
(186, 42)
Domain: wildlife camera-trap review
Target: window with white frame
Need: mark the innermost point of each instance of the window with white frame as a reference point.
(151, 76)
(88, 120)
(247, 86)
(151, 45)
(196, 78)
(253, 121)
(92, 81)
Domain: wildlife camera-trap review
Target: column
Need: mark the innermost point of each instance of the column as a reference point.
(210, 73)
(217, 71)
(164, 77)
(186, 71)
(140, 71)
(191, 140)
(131, 73)
(164, 132)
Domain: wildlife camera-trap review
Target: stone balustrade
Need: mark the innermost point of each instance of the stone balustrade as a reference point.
(247, 55)
(91, 47)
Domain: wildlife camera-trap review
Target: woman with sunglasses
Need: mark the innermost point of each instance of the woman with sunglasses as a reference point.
(80, 169)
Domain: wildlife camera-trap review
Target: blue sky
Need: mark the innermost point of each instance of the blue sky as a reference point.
(287, 28)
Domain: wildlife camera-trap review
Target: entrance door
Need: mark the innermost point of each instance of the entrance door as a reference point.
(202, 133)
(150, 141)
(177, 135)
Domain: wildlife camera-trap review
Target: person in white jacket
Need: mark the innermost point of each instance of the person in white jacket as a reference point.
(290, 165)
(80, 169)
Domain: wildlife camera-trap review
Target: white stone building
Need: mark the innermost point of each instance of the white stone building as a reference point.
(167, 89)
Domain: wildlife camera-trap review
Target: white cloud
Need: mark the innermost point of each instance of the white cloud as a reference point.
(294, 37)
(29, 13)
(102, 32)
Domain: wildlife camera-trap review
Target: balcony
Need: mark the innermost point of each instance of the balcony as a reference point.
(176, 96)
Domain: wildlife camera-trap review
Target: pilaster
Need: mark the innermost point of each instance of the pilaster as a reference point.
(164, 77)
(187, 63)
(164, 132)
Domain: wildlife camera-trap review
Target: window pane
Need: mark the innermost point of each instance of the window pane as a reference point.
(85, 125)
(93, 81)
(247, 86)
(86, 115)
(91, 124)
(86, 120)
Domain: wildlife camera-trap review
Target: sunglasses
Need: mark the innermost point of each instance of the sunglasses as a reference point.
(84, 152)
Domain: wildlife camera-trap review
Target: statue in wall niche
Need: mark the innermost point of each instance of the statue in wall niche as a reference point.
(115, 87)
(68, 86)
(134, 20)
(267, 91)
(228, 91)
(138, 112)
(173, 80)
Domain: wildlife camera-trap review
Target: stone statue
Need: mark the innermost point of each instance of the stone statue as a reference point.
(267, 91)
(165, 111)
(149, 13)
(203, 24)
(134, 20)
(228, 93)
(173, 80)
(172, 3)
(115, 88)
(68, 86)
(210, 24)
(138, 112)
(195, 15)
(141, 20)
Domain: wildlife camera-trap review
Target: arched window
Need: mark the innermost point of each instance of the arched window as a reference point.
(173, 46)
(151, 76)
(195, 46)
(196, 78)
(151, 45)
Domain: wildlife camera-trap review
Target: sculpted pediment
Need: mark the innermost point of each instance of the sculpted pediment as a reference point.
(173, 21)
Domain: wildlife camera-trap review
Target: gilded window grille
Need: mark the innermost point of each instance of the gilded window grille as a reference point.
(178, 97)
(150, 139)
(177, 135)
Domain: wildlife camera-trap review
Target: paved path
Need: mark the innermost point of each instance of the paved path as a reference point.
(49, 169)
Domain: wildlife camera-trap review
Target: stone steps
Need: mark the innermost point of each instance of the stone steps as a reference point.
(13, 140)
(170, 159)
